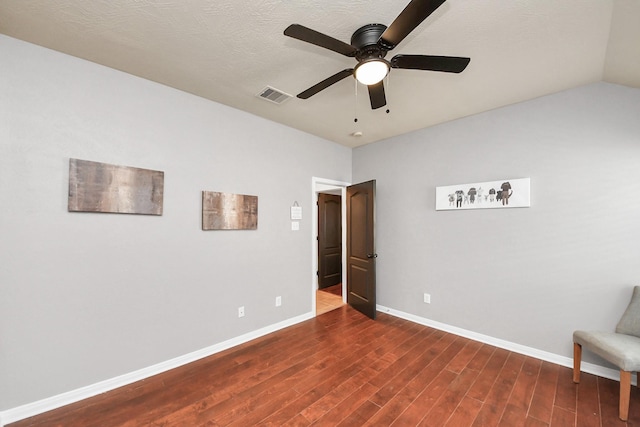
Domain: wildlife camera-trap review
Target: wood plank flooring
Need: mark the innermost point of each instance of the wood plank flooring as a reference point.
(328, 299)
(343, 369)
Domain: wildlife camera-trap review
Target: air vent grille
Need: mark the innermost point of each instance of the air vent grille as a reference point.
(273, 95)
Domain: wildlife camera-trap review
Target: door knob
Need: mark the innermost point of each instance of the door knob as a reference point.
(372, 255)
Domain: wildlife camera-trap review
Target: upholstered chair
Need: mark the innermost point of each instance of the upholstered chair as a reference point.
(622, 348)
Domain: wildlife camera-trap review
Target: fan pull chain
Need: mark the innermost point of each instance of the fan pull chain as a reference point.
(355, 107)
(388, 87)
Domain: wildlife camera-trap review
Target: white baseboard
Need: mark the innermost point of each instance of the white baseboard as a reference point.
(54, 402)
(590, 368)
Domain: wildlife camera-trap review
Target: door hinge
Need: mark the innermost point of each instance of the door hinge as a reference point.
(317, 273)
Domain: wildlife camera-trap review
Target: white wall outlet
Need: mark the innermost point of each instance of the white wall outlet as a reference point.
(241, 311)
(427, 298)
(278, 301)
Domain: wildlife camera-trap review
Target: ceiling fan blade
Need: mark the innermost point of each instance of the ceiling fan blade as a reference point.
(325, 83)
(376, 95)
(447, 64)
(412, 15)
(311, 36)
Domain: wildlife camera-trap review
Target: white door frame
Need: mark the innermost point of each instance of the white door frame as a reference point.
(319, 185)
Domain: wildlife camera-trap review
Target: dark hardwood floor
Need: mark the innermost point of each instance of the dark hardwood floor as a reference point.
(342, 369)
(333, 290)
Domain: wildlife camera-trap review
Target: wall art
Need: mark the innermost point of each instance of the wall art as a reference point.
(228, 211)
(507, 193)
(101, 187)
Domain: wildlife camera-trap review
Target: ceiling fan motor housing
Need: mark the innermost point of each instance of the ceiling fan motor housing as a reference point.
(365, 40)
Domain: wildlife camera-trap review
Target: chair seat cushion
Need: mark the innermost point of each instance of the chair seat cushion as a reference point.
(619, 349)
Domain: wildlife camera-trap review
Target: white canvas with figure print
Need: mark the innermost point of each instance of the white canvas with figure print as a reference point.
(505, 193)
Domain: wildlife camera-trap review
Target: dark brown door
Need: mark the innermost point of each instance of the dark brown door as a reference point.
(329, 240)
(361, 250)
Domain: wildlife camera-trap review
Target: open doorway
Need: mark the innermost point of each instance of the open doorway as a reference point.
(329, 294)
(329, 281)
(358, 239)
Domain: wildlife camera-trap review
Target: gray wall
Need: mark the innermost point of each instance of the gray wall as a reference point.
(530, 275)
(88, 297)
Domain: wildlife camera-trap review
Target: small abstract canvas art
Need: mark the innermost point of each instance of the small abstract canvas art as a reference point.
(228, 211)
(101, 187)
(508, 193)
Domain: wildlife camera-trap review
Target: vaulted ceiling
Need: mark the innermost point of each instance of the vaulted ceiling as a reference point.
(230, 50)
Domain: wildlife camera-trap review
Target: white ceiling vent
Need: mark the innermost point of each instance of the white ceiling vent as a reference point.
(274, 95)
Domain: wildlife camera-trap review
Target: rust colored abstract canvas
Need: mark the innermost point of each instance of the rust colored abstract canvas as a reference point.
(101, 187)
(227, 211)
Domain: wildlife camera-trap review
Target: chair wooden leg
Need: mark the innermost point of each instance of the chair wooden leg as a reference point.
(577, 358)
(625, 394)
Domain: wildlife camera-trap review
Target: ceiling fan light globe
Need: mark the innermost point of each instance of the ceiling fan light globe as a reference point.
(372, 71)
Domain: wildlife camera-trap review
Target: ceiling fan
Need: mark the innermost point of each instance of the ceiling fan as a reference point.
(370, 44)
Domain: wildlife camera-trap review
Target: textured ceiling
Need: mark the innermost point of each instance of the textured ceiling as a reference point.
(229, 50)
